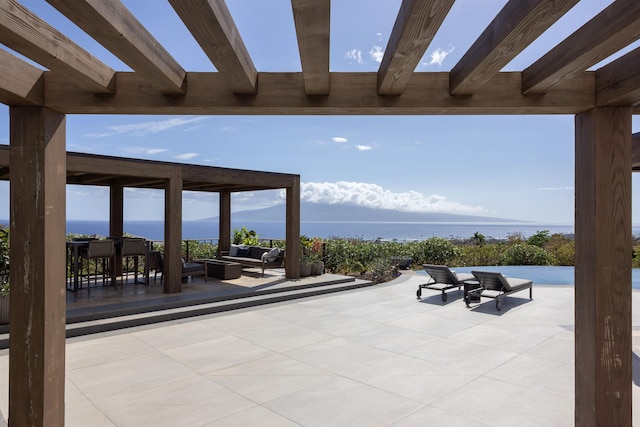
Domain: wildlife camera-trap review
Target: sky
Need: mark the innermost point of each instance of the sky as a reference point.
(513, 167)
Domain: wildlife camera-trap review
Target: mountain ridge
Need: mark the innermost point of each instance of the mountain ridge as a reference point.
(322, 212)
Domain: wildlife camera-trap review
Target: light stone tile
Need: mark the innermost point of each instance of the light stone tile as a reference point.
(430, 323)
(380, 312)
(281, 338)
(255, 416)
(394, 344)
(502, 404)
(343, 402)
(555, 349)
(82, 354)
(339, 355)
(275, 364)
(337, 324)
(244, 321)
(213, 355)
(291, 312)
(537, 374)
(499, 338)
(176, 335)
(124, 379)
(464, 356)
(430, 416)
(265, 388)
(412, 378)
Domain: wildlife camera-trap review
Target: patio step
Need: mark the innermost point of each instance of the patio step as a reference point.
(127, 317)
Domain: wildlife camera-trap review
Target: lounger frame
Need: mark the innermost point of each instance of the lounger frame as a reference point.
(441, 278)
(495, 285)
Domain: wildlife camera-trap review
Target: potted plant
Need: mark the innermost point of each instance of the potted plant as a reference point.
(306, 259)
(4, 275)
(317, 264)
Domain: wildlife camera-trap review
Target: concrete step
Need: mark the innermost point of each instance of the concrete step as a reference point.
(127, 317)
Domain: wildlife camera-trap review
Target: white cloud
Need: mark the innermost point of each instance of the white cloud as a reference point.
(376, 53)
(339, 139)
(186, 156)
(144, 150)
(363, 147)
(156, 150)
(146, 128)
(375, 196)
(354, 55)
(438, 56)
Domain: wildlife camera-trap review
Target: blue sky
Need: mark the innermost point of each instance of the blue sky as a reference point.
(516, 167)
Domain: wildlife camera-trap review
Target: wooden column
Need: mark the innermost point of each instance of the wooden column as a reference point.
(224, 226)
(603, 268)
(292, 251)
(173, 233)
(37, 316)
(116, 218)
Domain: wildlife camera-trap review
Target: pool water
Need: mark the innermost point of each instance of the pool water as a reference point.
(542, 274)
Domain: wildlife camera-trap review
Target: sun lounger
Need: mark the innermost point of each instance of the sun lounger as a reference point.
(495, 285)
(441, 278)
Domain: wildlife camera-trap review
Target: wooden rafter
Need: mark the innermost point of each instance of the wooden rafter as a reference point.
(416, 25)
(518, 24)
(21, 84)
(618, 83)
(212, 26)
(352, 93)
(32, 37)
(608, 32)
(312, 20)
(115, 27)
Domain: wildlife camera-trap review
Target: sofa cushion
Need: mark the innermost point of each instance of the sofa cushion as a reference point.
(233, 250)
(242, 252)
(256, 252)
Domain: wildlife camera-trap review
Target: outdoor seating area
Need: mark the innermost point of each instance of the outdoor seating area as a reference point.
(441, 278)
(255, 256)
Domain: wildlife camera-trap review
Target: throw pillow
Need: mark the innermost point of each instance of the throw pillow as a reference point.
(272, 255)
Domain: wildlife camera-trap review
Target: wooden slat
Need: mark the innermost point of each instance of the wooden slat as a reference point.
(608, 32)
(351, 93)
(32, 37)
(115, 27)
(212, 26)
(416, 25)
(618, 83)
(21, 84)
(312, 20)
(518, 24)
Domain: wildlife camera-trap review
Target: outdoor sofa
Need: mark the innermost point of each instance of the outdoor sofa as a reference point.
(255, 256)
(495, 285)
(442, 278)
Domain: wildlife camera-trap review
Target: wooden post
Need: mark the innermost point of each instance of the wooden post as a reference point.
(292, 251)
(37, 316)
(224, 226)
(603, 268)
(172, 272)
(116, 219)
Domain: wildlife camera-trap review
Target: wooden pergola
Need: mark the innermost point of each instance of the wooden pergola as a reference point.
(71, 81)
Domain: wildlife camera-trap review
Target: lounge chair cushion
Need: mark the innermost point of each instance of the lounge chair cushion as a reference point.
(272, 255)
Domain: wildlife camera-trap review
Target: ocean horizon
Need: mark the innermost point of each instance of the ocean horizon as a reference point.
(400, 231)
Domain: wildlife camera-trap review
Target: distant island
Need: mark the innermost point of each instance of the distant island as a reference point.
(320, 212)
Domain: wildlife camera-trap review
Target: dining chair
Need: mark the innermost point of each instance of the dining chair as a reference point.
(133, 247)
(101, 252)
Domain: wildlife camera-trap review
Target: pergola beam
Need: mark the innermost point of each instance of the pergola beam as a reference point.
(115, 27)
(608, 32)
(618, 83)
(21, 84)
(416, 25)
(312, 20)
(211, 24)
(518, 24)
(32, 37)
(351, 93)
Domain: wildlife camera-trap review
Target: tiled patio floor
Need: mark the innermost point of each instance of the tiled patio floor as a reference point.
(370, 357)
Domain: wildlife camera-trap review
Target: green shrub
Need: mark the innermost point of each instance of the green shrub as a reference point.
(539, 239)
(434, 250)
(479, 255)
(525, 254)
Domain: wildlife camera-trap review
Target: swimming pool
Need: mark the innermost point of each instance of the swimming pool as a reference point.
(542, 274)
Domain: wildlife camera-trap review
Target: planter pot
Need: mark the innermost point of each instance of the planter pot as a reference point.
(317, 268)
(305, 269)
(4, 310)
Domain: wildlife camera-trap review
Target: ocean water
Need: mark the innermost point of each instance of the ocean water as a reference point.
(402, 231)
